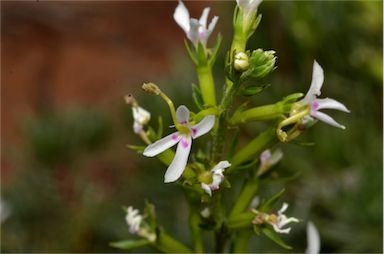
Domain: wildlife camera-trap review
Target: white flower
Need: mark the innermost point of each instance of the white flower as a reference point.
(217, 177)
(140, 118)
(133, 219)
(317, 104)
(268, 160)
(279, 221)
(184, 140)
(196, 30)
(313, 239)
(249, 7)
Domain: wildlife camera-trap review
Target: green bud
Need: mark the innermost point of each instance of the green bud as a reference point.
(261, 63)
(151, 88)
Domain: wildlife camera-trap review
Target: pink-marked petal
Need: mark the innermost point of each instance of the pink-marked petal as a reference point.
(181, 16)
(162, 144)
(327, 119)
(204, 17)
(329, 103)
(176, 169)
(182, 114)
(316, 84)
(203, 126)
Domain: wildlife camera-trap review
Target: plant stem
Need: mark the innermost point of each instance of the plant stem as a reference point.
(194, 221)
(207, 84)
(247, 194)
(241, 242)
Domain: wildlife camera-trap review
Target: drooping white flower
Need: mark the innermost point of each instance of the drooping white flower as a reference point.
(217, 177)
(183, 139)
(140, 118)
(276, 221)
(317, 104)
(269, 159)
(196, 30)
(313, 239)
(279, 221)
(133, 219)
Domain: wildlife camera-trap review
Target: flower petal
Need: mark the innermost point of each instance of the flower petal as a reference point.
(212, 26)
(331, 104)
(182, 114)
(327, 119)
(181, 16)
(204, 17)
(313, 239)
(194, 33)
(203, 126)
(179, 162)
(254, 4)
(317, 82)
(162, 144)
(283, 208)
(243, 4)
(206, 188)
(221, 165)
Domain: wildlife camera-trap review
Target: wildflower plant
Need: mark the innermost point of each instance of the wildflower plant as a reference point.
(206, 175)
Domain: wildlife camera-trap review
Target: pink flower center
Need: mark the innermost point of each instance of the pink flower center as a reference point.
(175, 137)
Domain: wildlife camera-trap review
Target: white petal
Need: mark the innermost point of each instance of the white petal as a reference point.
(182, 114)
(203, 126)
(243, 4)
(206, 188)
(317, 82)
(276, 157)
(283, 208)
(204, 17)
(221, 165)
(175, 170)
(327, 119)
(265, 156)
(161, 145)
(212, 26)
(331, 104)
(280, 230)
(313, 239)
(254, 4)
(181, 16)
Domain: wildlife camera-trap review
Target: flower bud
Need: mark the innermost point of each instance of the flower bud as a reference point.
(151, 88)
(241, 62)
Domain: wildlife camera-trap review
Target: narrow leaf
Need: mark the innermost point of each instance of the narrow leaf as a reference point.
(253, 90)
(275, 237)
(270, 202)
(130, 244)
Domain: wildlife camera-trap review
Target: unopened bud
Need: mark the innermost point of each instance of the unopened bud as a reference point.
(129, 99)
(241, 62)
(151, 88)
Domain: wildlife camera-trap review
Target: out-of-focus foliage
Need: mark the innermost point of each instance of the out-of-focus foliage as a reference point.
(75, 173)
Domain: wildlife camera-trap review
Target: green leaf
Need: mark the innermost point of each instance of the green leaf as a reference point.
(197, 97)
(232, 148)
(191, 54)
(270, 202)
(253, 90)
(275, 237)
(213, 57)
(139, 149)
(130, 244)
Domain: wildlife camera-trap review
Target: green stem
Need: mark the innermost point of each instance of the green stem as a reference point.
(167, 244)
(247, 194)
(253, 148)
(207, 84)
(241, 242)
(194, 221)
(266, 112)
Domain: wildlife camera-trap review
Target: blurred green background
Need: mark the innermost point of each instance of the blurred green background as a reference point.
(66, 170)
